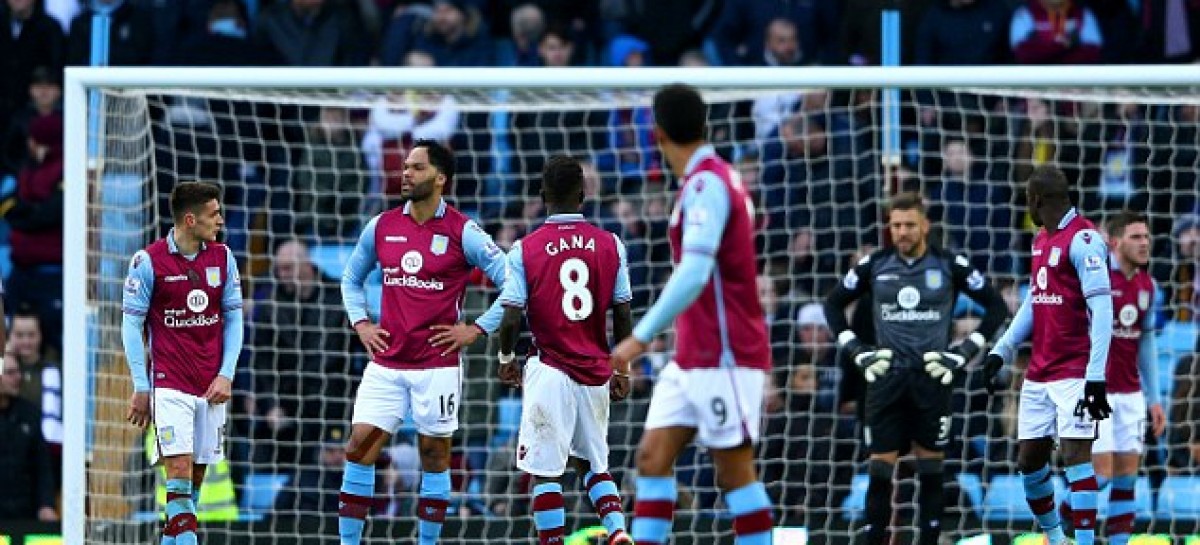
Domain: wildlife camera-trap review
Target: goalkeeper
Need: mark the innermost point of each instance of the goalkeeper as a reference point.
(912, 288)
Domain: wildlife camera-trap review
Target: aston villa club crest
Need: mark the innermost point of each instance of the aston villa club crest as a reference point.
(439, 245)
(1143, 300)
(213, 276)
(1055, 256)
(933, 279)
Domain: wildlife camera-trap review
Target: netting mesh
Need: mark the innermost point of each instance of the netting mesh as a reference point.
(304, 170)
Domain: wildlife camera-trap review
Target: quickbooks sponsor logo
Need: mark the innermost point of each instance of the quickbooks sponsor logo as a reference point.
(408, 281)
(910, 315)
(1047, 299)
(194, 321)
(1127, 333)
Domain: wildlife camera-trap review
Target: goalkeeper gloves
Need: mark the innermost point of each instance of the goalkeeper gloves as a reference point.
(872, 361)
(1095, 400)
(941, 365)
(991, 368)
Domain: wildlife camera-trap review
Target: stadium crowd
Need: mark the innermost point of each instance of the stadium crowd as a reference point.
(303, 180)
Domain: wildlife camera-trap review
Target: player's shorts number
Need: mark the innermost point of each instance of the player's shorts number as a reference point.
(577, 300)
(447, 404)
(720, 411)
(943, 428)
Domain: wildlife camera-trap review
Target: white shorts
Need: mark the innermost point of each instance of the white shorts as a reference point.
(1125, 429)
(560, 418)
(1048, 409)
(187, 424)
(722, 405)
(432, 396)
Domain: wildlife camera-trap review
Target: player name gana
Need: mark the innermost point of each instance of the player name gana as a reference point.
(576, 242)
(392, 278)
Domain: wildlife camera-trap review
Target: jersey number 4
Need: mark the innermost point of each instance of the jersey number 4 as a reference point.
(577, 301)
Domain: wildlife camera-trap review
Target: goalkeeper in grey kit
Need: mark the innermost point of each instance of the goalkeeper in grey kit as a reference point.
(912, 288)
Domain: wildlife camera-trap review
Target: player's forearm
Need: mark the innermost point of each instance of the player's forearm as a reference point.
(1147, 354)
(1100, 335)
(622, 321)
(235, 333)
(1018, 331)
(360, 264)
(684, 286)
(994, 313)
(510, 327)
(835, 309)
(135, 350)
(489, 321)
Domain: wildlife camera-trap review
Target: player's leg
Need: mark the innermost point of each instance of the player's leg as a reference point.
(887, 431)
(670, 426)
(379, 407)
(175, 425)
(198, 472)
(210, 443)
(1128, 423)
(932, 433)
(549, 415)
(1077, 431)
(730, 429)
(1036, 428)
(436, 396)
(589, 451)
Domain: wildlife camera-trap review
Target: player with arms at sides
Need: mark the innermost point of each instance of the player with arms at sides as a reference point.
(911, 288)
(565, 276)
(1068, 318)
(712, 393)
(1117, 451)
(183, 292)
(427, 250)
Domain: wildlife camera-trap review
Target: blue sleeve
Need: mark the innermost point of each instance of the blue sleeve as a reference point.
(1089, 255)
(705, 210)
(1018, 332)
(139, 285)
(1021, 27)
(482, 252)
(1147, 356)
(362, 262)
(1090, 31)
(231, 298)
(622, 291)
(515, 292)
(684, 286)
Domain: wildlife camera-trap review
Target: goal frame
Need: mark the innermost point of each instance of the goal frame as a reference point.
(81, 81)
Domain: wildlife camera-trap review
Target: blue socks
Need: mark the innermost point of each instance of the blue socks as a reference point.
(606, 499)
(354, 502)
(1084, 492)
(431, 506)
(751, 510)
(1039, 493)
(653, 510)
(181, 514)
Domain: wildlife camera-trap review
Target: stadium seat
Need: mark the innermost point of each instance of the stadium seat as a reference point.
(1005, 498)
(331, 259)
(261, 489)
(972, 487)
(1175, 339)
(1179, 498)
(854, 504)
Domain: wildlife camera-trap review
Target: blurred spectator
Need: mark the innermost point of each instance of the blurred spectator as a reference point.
(225, 40)
(44, 98)
(744, 27)
(301, 356)
(399, 34)
(24, 464)
(455, 35)
(35, 215)
(329, 183)
(861, 38)
(1184, 443)
(982, 231)
(963, 32)
(778, 325)
(1170, 31)
(314, 487)
(815, 348)
(810, 271)
(1114, 170)
(522, 48)
(693, 58)
(1173, 179)
(1055, 32)
(41, 375)
(627, 50)
(782, 46)
(669, 27)
(62, 11)
(131, 34)
(391, 130)
(1183, 270)
(1042, 136)
(312, 33)
(1117, 18)
(555, 47)
(631, 152)
(30, 39)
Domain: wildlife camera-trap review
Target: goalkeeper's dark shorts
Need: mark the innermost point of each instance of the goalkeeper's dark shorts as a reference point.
(907, 406)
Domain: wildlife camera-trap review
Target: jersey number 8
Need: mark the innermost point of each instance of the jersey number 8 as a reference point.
(577, 300)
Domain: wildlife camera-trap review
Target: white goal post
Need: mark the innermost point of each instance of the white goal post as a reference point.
(1179, 84)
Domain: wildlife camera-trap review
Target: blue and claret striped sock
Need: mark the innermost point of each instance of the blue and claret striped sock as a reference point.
(181, 514)
(1039, 493)
(653, 510)
(549, 515)
(1082, 479)
(431, 506)
(354, 501)
(751, 510)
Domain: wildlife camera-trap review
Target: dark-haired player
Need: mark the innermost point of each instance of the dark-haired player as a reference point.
(712, 392)
(566, 275)
(184, 294)
(427, 251)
